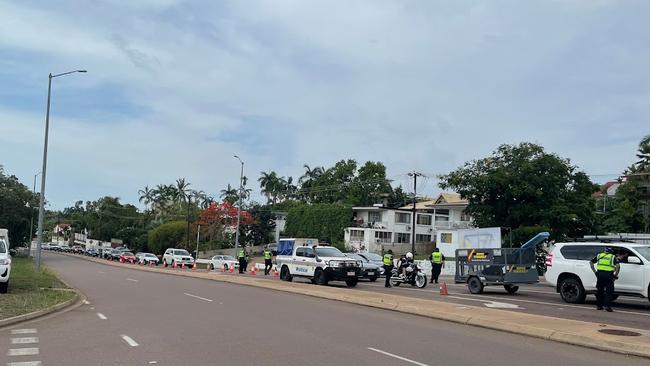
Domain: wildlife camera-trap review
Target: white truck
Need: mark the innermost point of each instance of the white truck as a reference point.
(319, 263)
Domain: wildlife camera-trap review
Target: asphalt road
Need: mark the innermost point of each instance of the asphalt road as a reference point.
(142, 318)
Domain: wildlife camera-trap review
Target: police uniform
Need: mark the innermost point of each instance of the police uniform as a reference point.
(242, 260)
(388, 268)
(268, 262)
(437, 259)
(606, 263)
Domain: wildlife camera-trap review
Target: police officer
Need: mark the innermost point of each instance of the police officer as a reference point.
(606, 271)
(388, 266)
(242, 260)
(437, 263)
(268, 261)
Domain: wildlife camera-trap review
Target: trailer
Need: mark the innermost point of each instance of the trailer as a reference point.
(507, 267)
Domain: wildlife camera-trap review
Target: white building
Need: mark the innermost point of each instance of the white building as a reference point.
(378, 227)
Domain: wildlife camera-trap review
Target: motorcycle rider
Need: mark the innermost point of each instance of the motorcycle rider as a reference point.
(404, 262)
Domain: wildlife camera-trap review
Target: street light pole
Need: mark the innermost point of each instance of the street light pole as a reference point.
(241, 180)
(31, 224)
(41, 206)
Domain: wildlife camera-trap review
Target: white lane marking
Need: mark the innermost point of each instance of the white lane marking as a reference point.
(25, 363)
(24, 340)
(23, 331)
(397, 357)
(153, 362)
(132, 280)
(101, 272)
(86, 302)
(489, 303)
(22, 351)
(102, 316)
(197, 297)
(583, 307)
(129, 340)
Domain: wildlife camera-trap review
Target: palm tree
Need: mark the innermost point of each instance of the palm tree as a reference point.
(269, 184)
(146, 195)
(182, 190)
(308, 179)
(229, 195)
(643, 153)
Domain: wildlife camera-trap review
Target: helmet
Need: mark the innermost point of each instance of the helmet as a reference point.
(609, 250)
(409, 255)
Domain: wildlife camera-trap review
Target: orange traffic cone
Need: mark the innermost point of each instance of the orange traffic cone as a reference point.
(443, 289)
(232, 269)
(222, 269)
(253, 270)
(275, 272)
(194, 267)
(174, 265)
(165, 264)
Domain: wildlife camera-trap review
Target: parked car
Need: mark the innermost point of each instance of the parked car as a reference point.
(77, 249)
(114, 254)
(568, 270)
(65, 248)
(375, 259)
(5, 264)
(177, 256)
(318, 263)
(92, 252)
(55, 247)
(225, 261)
(126, 257)
(369, 270)
(147, 258)
(45, 246)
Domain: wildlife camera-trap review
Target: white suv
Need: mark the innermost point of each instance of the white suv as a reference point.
(178, 256)
(5, 266)
(569, 271)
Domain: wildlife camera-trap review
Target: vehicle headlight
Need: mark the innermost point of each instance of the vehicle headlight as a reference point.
(5, 261)
(327, 263)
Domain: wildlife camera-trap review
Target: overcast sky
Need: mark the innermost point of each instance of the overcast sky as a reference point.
(175, 88)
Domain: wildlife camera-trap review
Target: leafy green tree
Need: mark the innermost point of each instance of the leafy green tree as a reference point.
(370, 185)
(229, 194)
(626, 213)
(262, 228)
(522, 185)
(17, 207)
(323, 221)
(169, 235)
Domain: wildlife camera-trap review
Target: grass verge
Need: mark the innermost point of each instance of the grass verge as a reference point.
(31, 291)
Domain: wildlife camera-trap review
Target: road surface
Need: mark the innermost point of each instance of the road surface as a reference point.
(141, 318)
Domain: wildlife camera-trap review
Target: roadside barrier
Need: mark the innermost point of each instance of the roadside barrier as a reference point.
(443, 289)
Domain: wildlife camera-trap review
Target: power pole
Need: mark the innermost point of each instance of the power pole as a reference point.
(189, 198)
(415, 176)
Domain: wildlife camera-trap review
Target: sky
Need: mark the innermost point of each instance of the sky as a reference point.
(176, 88)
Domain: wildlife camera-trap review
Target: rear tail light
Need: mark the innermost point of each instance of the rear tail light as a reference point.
(549, 260)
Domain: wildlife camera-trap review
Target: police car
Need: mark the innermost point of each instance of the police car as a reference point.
(319, 263)
(568, 269)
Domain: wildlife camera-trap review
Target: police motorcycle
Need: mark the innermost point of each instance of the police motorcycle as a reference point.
(412, 274)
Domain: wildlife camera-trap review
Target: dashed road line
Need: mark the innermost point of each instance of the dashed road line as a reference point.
(86, 302)
(197, 297)
(25, 363)
(102, 316)
(129, 340)
(132, 280)
(397, 357)
(24, 331)
(24, 340)
(22, 351)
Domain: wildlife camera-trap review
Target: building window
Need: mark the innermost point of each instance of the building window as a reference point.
(383, 236)
(402, 238)
(424, 219)
(445, 238)
(464, 216)
(422, 238)
(356, 235)
(374, 216)
(402, 218)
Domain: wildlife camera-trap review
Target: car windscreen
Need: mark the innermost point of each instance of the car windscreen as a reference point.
(356, 256)
(328, 252)
(228, 258)
(127, 254)
(181, 252)
(149, 255)
(3, 247)
(372, 256)
(644, 251)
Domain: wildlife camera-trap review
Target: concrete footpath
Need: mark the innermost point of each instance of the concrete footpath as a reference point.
(598, 336)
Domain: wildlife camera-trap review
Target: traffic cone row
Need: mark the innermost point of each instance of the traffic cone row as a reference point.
(443, 289)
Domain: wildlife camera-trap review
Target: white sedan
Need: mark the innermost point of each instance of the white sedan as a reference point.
(223, 261)
(147, 258)
(5, 266)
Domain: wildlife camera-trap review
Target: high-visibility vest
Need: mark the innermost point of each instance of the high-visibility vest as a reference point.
(242, 254)
(436, 257)
(388, 259)
(605, 262)
(267, 254)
